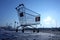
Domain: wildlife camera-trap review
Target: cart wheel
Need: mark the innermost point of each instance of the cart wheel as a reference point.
(16, 30)
(22, 30)
(33, 31)
(37, 31)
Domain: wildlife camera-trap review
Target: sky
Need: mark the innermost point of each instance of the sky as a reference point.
(48, 9)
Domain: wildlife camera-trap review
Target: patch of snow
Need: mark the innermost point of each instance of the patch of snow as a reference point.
(12, 35)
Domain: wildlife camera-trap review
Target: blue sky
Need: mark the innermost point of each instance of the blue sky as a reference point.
(49, 10)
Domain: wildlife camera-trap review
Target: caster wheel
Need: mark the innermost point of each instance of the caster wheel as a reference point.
(16, 30)
(22, 30)
(33, 31)
(37, 31)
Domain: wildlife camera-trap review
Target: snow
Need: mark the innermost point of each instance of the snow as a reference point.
(27, 35)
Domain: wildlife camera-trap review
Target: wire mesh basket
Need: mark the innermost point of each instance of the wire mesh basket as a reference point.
(27, 16)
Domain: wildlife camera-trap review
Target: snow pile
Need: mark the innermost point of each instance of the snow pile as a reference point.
(12, 35)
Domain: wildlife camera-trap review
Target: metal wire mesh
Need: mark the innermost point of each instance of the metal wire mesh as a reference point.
(27, 16)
